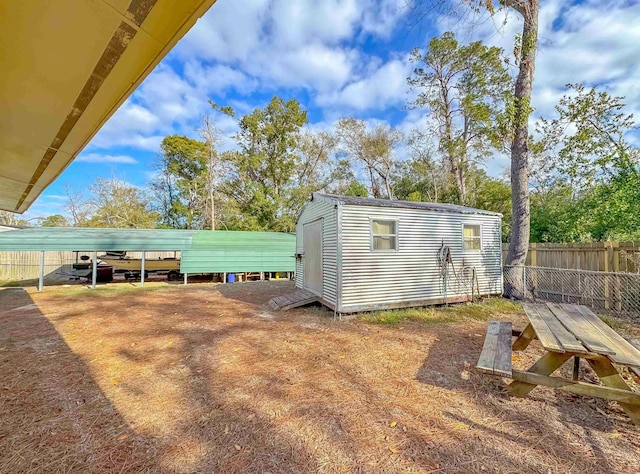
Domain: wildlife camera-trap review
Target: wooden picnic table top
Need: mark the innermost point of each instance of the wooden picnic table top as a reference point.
(568, 328)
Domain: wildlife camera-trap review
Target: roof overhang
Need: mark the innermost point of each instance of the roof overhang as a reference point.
(66, 68)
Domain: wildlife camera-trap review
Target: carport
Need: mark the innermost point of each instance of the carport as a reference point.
(45, 239)
(202, 251)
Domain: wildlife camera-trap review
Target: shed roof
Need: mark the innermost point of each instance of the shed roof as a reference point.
(427, 206)
(83, 239)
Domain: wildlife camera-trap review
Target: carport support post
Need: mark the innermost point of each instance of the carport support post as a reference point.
(94, 271)
(41, 279)
(186, 275)
(142, 269)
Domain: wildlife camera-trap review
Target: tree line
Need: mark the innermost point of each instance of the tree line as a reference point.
(583, 172)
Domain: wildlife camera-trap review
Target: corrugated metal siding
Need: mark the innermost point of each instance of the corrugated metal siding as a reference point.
(413, 273)
(231, 251)
(83, 239)
(314, 210)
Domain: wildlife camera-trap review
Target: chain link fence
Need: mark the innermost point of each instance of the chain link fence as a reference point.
(604, 292)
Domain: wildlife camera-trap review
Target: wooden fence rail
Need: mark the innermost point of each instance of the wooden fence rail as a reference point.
(596, 256)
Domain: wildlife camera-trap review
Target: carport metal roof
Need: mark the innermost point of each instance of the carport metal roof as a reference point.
(85, 240)
(66, 66)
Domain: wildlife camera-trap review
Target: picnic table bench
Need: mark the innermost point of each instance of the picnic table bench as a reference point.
(565, 331)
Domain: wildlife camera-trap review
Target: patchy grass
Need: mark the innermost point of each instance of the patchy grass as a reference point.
(18, 283)
(621, 326)
(612, 322)
(105, 291)
(432, 315)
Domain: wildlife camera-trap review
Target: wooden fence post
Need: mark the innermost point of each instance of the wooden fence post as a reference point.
(617, 290)
(607, 302)
(534, 256)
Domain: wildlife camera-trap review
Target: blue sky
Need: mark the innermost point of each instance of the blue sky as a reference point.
(337, 57)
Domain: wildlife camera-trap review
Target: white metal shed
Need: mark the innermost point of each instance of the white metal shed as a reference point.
(361, 254)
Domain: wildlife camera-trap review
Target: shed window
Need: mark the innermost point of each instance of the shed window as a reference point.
(385, 235)
(471, 237)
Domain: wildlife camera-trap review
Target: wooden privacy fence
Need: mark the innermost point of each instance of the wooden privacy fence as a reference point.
(57, 265)
(596, 256)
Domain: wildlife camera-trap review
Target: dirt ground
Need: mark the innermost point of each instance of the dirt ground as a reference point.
(205, 378)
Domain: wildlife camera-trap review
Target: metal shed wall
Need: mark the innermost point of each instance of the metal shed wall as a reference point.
(235, 251)
(94, 239)
(411, 275)
(318, 209)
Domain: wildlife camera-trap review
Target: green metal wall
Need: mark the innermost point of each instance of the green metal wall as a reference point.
(234, 251)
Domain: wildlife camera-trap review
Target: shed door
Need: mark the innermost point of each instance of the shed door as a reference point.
(312, 242)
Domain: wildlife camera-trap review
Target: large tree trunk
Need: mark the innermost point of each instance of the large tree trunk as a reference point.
(457, 170)
(461, 177)
(387, 185)
(520, 167)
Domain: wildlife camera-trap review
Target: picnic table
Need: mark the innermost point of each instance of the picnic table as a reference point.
(565, 331)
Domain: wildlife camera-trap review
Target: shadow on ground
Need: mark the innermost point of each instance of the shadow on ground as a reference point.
(204, 379)
(54, 417)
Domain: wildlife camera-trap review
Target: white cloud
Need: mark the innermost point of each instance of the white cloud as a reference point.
(102, 159)
(165, 103)
(314, 66)
(55, 197)
(218, 78)
(291, 44)
(328, 21)
(229, 31)
(384, 87)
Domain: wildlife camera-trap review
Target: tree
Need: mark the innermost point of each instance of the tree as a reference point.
(373, 149)
(492, 195)
(355, 188)
(264, 171)
(56, 220)
(12, 219)
(78, 207)
(517, 122)
(588, 171)
(464, 88)
(318, 167)
(611, 211)
(422, 177)
(183, 185)
(117, 204)
(586, 141)
(315, 168)
(556, 216)
(212, 138)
